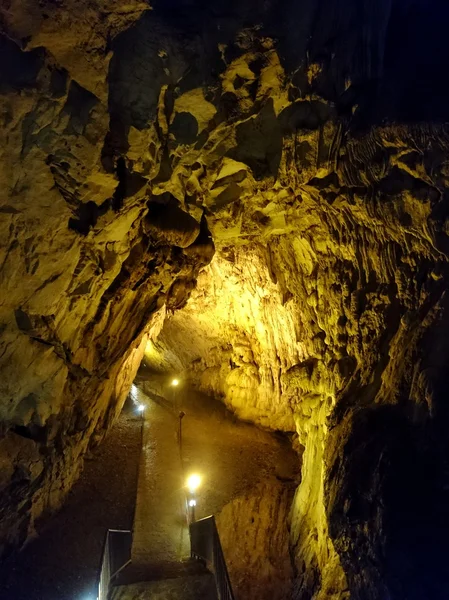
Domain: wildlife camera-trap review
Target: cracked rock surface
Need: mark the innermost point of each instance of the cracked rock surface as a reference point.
(283, 165)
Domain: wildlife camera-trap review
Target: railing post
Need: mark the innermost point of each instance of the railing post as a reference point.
(115, 557)
(205, 544)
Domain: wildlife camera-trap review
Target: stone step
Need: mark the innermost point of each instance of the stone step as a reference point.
(160, 570)
(191, 587)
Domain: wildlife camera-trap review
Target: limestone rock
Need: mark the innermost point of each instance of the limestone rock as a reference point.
(255, 541)
(305, 144)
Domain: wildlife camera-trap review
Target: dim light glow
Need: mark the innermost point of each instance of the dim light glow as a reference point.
(193, 483)
(175, 382)
(89, 597)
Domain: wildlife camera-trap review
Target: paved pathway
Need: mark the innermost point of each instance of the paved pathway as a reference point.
(193, 587)
(231, 456)
(160, 530)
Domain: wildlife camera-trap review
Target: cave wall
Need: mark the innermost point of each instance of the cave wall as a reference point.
(323, 323)
(306, 143)
(78, 297)
(255, 541)
(235, 338)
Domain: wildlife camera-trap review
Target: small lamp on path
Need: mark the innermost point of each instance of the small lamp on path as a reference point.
(193, 483)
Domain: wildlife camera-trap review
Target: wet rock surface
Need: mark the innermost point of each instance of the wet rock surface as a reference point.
(306, 146)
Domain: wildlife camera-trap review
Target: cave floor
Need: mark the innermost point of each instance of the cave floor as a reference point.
(63, 562)
(160, 532)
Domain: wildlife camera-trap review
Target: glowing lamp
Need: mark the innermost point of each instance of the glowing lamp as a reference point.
(192, 503)
(141, 408)
(193, 483)
(175, 382)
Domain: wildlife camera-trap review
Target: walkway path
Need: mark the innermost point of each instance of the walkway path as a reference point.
(161, 545)
(160, 530)
(232, 457)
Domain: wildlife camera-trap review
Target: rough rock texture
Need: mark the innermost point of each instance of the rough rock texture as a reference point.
(255, 541)
(306, 140)
(235, 337)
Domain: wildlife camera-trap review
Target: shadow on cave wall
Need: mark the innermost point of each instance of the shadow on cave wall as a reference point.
(387, 58)
(389, 517)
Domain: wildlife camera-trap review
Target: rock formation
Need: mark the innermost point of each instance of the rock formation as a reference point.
(305, 143)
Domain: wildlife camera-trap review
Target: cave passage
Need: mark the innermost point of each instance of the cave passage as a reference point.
(237, 463)
(136, 480)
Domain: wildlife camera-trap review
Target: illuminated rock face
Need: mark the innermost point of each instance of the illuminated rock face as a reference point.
(302, 141)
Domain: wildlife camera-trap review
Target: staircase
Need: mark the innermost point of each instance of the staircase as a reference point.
(203, 577)
(148, 562)
(174, 581)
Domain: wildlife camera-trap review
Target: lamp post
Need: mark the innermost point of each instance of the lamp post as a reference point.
(193, 483)
(181, 415)
(192, 504)
(174, 384)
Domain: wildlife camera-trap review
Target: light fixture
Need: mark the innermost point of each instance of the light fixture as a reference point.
(141, 408)
(175, 382)
(193, 483)
(192, 503)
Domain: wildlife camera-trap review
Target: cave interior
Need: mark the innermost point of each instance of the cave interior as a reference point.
(250, 197)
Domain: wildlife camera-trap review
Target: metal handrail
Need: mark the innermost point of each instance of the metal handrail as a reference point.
(116, 556)
(206, 546)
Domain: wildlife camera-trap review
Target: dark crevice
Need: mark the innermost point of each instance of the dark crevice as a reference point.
(19, 69)
(87, 215)
(31, 432)
(120, 190)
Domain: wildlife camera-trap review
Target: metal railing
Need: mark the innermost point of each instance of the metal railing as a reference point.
(116, 556)
(205, 546)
